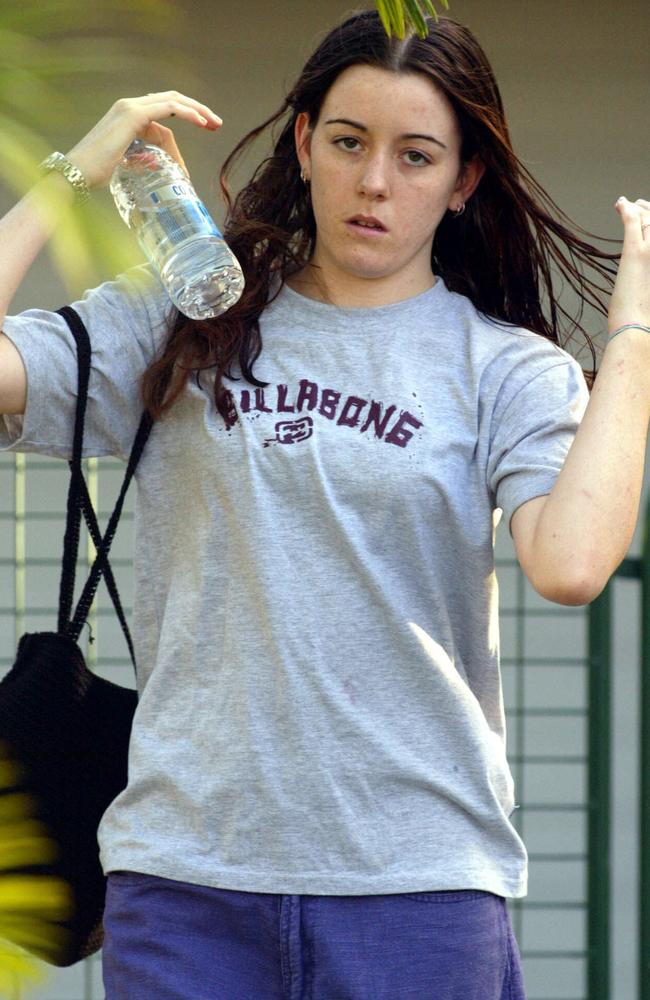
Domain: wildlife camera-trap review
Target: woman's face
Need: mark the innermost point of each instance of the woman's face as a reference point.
(366, 165)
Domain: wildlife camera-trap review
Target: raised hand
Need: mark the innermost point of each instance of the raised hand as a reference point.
(630, 301)
(99, 152)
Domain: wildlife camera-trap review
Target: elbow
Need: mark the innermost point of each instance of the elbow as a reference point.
(577, 591)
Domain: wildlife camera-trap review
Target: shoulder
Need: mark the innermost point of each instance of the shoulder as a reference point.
(132, 307)
(498, 339)
(510, 357)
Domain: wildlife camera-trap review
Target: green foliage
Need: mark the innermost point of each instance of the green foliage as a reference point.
(60, 63)
(399, 15)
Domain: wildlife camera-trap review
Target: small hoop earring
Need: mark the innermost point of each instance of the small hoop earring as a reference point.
(303, 178)
(459, 211)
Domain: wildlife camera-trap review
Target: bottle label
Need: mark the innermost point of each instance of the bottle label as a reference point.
(181, 214)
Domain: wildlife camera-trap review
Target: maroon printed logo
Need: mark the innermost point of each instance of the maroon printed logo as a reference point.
(290, 431)
(388, 423)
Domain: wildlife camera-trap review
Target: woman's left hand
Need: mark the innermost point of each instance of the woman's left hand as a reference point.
(630, 301)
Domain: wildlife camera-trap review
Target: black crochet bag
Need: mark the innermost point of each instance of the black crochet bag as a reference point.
(66, 728)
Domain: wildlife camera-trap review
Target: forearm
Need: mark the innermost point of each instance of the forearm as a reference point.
(25, 230)
(587, 523)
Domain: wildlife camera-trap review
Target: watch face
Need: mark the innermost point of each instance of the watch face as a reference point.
(54, 160)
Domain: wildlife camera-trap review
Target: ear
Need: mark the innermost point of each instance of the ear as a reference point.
(468, 180)
(302, 135)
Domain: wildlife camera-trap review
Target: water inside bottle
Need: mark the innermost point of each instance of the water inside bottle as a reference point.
(176, 233)
(201, 279)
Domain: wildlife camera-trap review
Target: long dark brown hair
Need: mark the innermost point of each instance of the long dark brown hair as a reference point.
(501, 253)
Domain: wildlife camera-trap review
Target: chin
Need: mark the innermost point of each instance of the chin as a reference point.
(366, 268)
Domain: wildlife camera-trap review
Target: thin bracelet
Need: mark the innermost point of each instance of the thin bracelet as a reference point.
(628, 326)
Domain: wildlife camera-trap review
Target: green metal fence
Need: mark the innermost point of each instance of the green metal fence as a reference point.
(547, 705)
(32, 520)
(597, 804)
(601, 614)
(557, 674)
(638, 569)
(644, 763)
(599, 846)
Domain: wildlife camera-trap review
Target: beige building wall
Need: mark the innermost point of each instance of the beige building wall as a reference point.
(574, 76)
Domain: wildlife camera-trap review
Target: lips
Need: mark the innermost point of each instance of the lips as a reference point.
(368, 222)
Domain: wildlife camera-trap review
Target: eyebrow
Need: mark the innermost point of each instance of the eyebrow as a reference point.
(363, 128)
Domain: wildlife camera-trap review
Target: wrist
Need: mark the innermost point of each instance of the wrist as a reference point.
(638, 329)
(70, 172)
(630, 352)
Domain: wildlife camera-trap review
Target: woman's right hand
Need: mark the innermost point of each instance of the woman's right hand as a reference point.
(99, 152)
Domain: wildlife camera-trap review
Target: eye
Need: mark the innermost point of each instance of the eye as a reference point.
(345, 138)
(415, 152)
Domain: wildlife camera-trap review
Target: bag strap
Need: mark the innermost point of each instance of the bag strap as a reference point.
(91, 521)
(101, 561)
(79, 501)
(73, 517)
(78, 490)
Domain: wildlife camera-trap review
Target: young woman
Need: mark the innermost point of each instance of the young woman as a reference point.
(319, 803)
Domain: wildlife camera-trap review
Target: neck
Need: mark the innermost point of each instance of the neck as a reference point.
(359, 293)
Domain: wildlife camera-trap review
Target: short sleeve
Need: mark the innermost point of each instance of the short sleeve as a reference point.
(127, 321)
(531, 434)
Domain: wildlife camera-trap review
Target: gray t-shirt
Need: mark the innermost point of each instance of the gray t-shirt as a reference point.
(316, 608)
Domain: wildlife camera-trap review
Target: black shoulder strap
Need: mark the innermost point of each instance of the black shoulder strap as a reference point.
(79, 501)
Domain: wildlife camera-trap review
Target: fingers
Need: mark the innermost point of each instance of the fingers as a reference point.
(630, 301)
(164, 137)
(636, 218)
(645, 219)
(172, 104)
(97, 154)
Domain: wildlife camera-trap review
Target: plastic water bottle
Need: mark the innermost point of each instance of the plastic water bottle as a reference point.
(202, 276)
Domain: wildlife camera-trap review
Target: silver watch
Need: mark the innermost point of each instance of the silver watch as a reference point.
(58, 162)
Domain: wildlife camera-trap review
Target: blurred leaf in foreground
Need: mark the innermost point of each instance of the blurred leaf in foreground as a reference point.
(59, 63)
(31, 905)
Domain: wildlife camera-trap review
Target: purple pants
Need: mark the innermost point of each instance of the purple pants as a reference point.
(175, 941)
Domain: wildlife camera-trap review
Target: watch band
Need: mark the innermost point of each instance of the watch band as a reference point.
(58, 162)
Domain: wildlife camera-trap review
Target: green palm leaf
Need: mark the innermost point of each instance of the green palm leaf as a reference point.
(51, 76)
(397, 15)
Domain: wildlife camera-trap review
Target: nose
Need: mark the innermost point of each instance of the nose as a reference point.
(374, 180)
